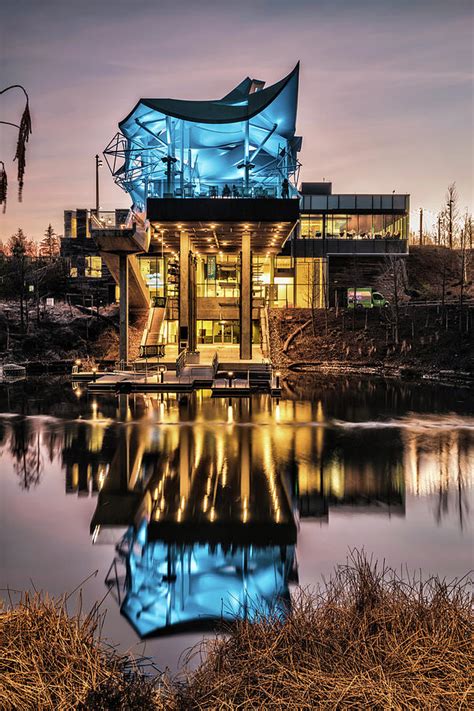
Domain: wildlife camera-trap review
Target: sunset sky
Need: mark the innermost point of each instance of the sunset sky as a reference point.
(385, 102)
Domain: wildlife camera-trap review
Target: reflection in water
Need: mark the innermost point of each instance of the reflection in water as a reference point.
(170, 586)
(204, 495)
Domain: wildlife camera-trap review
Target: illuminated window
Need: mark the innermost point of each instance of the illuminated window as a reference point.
(93, 267)
(73, 272)
(311, 226)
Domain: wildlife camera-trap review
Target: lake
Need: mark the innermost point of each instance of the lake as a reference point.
(183, 510)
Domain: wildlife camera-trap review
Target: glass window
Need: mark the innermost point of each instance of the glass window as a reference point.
(311, 226)
(93, 267)
(365, 225)
(399, 202)
(310, 283)
(73, 272)
(386, 202)
(333, 202)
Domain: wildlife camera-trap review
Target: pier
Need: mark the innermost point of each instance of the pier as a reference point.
(230, 378)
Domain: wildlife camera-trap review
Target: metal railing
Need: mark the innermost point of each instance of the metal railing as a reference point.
(180, 362)
(215, 364)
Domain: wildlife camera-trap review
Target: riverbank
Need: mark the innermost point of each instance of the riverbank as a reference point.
(62, 333)
(368, 639)
(429, 341)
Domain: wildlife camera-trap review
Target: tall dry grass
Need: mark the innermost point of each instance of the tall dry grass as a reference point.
(50, 659)
(368, 639)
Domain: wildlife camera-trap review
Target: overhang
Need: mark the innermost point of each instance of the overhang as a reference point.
(217, 225)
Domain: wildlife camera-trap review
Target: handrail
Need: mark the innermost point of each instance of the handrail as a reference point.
(181, 362)
(215, 364)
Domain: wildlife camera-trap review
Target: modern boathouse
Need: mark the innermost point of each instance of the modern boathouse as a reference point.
(219, 227)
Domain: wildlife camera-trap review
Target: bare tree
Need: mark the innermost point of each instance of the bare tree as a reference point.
(452, 213)
(395, 275)
(466, 253)
(319, 295)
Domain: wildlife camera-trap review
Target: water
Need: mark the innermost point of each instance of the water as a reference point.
(191, 509)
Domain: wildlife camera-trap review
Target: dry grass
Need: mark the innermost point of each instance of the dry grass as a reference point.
(368, 639)
(50, 659)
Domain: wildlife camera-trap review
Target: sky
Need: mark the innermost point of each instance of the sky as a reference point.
(385, 97)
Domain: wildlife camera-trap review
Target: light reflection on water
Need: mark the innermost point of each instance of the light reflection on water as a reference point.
(204, 505)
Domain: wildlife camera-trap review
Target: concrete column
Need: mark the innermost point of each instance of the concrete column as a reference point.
(184, 325)
(123, 284)
(272, 279)
(246, 298)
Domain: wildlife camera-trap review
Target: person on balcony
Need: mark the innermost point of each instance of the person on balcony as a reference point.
(285, 188)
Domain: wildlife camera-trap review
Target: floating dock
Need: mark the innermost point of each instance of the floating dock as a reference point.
(224, 379)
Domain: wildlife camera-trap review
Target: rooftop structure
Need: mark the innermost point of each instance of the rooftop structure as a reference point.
(242, 145)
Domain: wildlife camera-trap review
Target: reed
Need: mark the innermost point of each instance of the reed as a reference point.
(50, 659)
(369, 638)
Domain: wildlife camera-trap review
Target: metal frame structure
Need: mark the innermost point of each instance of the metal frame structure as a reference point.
(242, 145)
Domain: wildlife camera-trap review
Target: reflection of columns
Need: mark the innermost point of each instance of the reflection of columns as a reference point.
(123, 284)
(246, 299)
(184, 462)
(245, 464)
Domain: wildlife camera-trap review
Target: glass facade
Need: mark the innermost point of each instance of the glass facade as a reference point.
(218, 275)
(354, 226)
(152, 271)
(242, 145)
(310, 286)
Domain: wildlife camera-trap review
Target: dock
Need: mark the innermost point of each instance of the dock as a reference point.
(226, 379)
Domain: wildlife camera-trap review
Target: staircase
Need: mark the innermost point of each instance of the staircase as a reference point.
(152, 336)
(259, 374)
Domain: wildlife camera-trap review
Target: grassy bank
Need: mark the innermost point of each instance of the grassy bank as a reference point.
(428, 338)
(368, 639)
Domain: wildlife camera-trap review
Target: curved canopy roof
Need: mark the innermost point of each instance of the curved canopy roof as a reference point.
(241, 104)
(171, 147)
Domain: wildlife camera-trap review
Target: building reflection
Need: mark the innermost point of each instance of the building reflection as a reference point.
(202, 497)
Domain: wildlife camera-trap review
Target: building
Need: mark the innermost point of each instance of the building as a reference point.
(219, 229)
(88, 276)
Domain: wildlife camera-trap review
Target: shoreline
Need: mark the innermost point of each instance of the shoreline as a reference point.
(51, 658)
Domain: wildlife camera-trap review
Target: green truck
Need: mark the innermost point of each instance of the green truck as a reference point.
(365, 298)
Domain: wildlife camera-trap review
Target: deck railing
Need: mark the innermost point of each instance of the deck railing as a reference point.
(180, 362)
